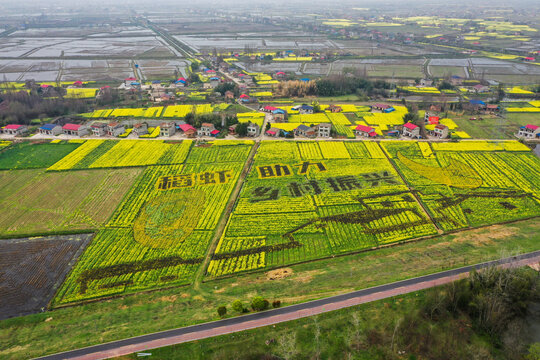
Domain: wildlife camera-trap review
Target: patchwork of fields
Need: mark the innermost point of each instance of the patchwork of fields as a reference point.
(155, 205)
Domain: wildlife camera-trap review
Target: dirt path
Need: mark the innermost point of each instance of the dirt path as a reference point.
(225, 217)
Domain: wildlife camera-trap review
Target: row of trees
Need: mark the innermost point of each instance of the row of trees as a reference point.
(335, 85)
(21, 107)
(258, 303)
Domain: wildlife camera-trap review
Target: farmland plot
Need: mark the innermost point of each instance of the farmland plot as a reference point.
(329, 198)
(320, 200)
(160, 233)
(42, 202)
(32, 268)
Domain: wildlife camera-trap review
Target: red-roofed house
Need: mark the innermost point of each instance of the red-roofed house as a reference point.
(75, 129)
(214, 133)
(363, 130)
(269, 108)
(188, 130)
(129, 80)
(273, 132)
(78, 83)
(411, 130)
(529, 131)
(15, 129)
(381, 106)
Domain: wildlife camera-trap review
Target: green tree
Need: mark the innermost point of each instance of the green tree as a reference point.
(238, 306)
(241, 129)
(259, 304)
(222, 310)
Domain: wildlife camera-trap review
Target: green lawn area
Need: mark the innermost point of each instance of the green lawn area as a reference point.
(113, 319)
(26, 155)
(494, 127)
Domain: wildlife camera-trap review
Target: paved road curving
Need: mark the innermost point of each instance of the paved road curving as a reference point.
(293, 312)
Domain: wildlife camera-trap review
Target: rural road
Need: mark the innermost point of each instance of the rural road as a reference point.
(288, 313)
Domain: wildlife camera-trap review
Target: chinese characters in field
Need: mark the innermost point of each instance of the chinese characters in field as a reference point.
(188, 180)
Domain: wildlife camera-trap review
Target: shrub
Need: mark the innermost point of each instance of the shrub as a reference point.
(238, 306)
(276, 304)
(259, 304)
(222, 310)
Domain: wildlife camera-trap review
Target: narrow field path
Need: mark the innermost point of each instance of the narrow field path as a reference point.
(288, 313)
(225, 217)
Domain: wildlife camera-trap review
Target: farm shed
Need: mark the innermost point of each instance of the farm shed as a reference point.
(15, 129)
(50, 129)
(188, 130)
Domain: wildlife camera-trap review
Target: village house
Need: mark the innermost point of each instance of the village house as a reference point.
(323, 129)
(456, 80)
(440, 131)
(381, 107)
(232, 129)
(430, 119)
(304, 130)
(279, 115)
(15, 129)
(75, 129)
(334, 108)
(303, 109)
(435, 108)
(244, 98)
(188, 130)
(411, 130)
(167, 129)
(274, 132)
(98, 129)
(426, 82)
(479, 88)
(140, 129)
(268, 109)
(206, 129)
(366, 131)
(229, 95)
(114, 129)
(130, 80)
(50, 129)
(529, 131)
(253, 129)
(492, 108)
